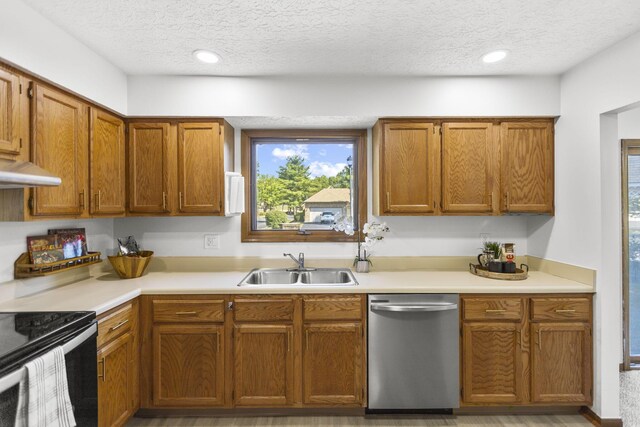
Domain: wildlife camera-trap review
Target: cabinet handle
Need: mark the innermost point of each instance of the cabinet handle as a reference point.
(103, 375)
(98, 200)
(180, 200)
(491, 200)
(288, 341)
(81, 199)
(119, 325)
(306, 334)
(540, 339)
(506, 200)
(519, 332)
(388, 203)
(217, 342)
(164, 201)
(495, 311)
(186, 313)
(565, 310)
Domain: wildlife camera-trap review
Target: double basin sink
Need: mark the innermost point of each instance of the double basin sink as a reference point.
(299, 277)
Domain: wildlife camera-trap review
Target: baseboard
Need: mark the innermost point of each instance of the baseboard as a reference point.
(599, 422)
(248, 412)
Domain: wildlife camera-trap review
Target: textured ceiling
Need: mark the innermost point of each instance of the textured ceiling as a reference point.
(382, 37)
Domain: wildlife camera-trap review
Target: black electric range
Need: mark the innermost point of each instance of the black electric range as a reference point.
(25, 336)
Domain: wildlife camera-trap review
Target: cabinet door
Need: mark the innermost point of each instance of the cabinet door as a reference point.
(492, 369)
(60, 145)
(106, 164)
(9, 112)
(332, 364)
(409, 160)
(200, 169)
(188, 365)
(115, 382)
(468, 161)
(149, 167)
(527, 166)
(561, 363)
(263, 365)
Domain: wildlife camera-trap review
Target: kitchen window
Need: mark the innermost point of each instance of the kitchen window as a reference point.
(298, 184)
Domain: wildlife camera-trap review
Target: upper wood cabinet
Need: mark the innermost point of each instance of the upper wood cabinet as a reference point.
(469, 165)
(60, 146)
(200, 168)
(107, 171)
(527, 166)
(9, 113)
(407, 163)
(149, 167)
(177, 168)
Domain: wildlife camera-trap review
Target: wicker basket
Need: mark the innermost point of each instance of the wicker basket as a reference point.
(131, 266)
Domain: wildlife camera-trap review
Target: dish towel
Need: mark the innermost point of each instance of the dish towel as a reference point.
(43, 399)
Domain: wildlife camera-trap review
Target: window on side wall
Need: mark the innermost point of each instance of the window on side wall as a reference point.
(298, 184)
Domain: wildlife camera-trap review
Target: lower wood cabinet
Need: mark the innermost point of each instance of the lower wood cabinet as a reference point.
(188, 365)
(492, 363)
(561, 363)
(115, 382)
(263, 365)
(526, 350)
(333, 363)
(118, 365)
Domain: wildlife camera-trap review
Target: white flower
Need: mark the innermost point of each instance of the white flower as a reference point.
(365, 228)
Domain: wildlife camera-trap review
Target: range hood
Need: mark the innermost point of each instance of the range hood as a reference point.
(16, 174)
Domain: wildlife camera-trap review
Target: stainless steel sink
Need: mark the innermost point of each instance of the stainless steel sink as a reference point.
(306, 277)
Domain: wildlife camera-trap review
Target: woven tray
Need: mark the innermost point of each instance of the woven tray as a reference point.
(521, 273)
(22, 268)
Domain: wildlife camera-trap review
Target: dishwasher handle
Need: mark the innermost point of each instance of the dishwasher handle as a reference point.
(414, 307)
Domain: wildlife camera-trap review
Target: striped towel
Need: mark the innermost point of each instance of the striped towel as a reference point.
(43, 399)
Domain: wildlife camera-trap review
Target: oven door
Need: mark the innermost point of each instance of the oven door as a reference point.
(80, 359)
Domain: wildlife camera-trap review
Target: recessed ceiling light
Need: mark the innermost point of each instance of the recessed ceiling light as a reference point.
(206, 56)
(495, 56)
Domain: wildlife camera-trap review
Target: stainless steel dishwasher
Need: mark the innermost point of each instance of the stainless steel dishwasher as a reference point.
(413, 350)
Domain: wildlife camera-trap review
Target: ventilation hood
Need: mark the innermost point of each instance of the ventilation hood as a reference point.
(16, 174)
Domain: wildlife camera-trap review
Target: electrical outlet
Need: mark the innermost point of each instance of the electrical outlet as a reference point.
(212, 241)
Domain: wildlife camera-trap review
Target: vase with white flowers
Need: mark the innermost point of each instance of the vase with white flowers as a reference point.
(373, 233)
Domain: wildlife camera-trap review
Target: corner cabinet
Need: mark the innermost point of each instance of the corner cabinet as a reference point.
(526, 350)
(107, 170)
(473, 166)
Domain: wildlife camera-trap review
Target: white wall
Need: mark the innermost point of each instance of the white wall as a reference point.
(629, 124)
(32, 42)
(586, 227)
(343, 96)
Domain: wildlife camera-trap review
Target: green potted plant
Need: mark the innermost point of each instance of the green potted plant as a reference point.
(494, 249)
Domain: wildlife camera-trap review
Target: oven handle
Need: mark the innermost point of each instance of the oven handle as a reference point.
(414, 307)
(16, 376)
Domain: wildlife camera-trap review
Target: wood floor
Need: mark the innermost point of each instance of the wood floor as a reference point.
(378, 421)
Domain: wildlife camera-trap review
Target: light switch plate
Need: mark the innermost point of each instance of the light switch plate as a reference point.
(212, 241)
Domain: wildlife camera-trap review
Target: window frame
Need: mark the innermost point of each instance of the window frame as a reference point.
(249, 235)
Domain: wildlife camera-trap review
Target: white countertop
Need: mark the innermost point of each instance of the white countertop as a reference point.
(105, 291)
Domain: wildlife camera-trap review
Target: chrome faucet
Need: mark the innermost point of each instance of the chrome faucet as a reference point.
(299, 260)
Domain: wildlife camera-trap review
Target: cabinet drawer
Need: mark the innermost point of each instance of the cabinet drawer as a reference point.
(486, 308)
(115, 324)
(560, 309)
(331, 307)
(188, 310)
(263, 309)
